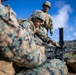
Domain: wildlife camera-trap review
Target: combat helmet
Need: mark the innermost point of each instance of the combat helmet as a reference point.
(38, 14)
(47, 3)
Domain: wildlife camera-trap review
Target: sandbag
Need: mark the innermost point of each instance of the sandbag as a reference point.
(6, 68)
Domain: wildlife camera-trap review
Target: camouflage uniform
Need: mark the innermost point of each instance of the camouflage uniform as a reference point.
(17, 44)
(50, 67)
(29, 26)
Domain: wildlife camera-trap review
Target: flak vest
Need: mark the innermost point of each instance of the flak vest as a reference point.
(47, 23)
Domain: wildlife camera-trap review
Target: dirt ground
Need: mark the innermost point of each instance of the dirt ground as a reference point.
(71, 67)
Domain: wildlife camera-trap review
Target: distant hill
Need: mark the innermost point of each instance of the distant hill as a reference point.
(70, 44)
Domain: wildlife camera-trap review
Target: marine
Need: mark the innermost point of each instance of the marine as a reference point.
(18, 45)
(48, 24)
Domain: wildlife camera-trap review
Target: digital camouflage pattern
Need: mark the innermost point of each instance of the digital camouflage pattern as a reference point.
(38, 14)
(18, 45)
(34, 32)
(50, 67)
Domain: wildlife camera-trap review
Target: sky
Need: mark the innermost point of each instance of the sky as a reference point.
(63, 14)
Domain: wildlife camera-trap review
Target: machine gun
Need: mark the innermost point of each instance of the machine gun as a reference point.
(58, 52)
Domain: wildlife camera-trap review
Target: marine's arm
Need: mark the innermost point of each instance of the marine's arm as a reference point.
(51, 25)
(42, 34)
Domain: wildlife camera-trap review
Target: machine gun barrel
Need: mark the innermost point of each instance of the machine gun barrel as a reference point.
(61, 38)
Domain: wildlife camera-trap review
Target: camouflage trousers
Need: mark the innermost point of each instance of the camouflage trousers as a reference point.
(50, 67)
